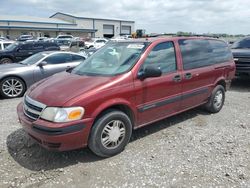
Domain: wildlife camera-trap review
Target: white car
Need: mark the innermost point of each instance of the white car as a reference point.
(4, 44)
(121, 38)
(96, 43)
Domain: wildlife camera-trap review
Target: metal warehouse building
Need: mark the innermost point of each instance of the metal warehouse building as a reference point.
(61, 23)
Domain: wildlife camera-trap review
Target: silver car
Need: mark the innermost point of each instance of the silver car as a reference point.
(15, 78)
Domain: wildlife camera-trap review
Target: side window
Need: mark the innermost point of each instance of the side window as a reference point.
(200, 53)
(195, 53)
(77, 58)
(221, 52)
(38, 46)
(5, 45)
(163, 57)
(26, 47)
(58, 58)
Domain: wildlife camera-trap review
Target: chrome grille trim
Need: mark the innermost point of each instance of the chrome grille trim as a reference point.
(32, 109)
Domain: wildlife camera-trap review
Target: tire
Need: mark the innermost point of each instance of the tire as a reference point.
(6, 60)
(216, 100)
(12, 87)
(110, 134)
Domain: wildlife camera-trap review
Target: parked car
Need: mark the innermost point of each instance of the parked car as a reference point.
(123, 37)
(15, 78)
(124, 86)
(64, 44)
(3, 38)
(5, 43)
(69, 37)
(96, 43)
(241, 53)
(87, 52)
(21, 50)
(23, 38)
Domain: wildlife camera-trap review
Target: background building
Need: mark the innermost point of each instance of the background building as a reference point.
(60, 23)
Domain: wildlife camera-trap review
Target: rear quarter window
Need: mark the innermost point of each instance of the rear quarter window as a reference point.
(203, 52)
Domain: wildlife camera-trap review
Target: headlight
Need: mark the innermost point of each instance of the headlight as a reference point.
(60, 115)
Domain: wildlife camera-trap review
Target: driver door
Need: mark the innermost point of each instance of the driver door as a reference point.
(160, 96)
(54, 63)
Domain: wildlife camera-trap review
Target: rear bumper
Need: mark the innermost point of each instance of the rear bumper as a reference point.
(56, 136)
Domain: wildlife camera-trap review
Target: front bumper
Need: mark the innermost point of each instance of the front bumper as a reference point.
(56, 136)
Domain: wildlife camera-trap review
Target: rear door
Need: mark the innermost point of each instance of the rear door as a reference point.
(198, 71)
(159, 97)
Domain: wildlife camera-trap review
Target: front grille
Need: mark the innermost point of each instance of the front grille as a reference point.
(32, 108)
(242, 63)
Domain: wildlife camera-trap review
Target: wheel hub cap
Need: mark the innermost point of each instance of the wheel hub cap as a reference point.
(218, 99)
(12, 87)
(113, 134)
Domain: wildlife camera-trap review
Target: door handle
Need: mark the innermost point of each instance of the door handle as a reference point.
(188, 76)
(177, 78)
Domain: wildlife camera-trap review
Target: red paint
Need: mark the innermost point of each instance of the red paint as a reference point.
(96, 94)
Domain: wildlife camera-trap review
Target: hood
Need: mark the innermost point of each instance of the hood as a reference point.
(11, 67)
(62, 87)
(241, 52)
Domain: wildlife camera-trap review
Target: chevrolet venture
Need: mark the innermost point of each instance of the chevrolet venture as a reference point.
(123, 86)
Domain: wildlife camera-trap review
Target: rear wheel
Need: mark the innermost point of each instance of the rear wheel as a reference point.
(6, 60)
(12, 87)
(216, 100)
(110, 134)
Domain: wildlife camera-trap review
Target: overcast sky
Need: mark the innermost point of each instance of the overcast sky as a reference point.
(157, 16)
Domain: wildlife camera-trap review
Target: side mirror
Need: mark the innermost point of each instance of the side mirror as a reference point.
(18, 49)
(149, 71)
(43, 63)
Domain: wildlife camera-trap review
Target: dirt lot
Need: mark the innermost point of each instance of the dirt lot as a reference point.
(191, 149)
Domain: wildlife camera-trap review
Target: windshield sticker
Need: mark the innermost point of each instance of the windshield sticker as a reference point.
(135, 46)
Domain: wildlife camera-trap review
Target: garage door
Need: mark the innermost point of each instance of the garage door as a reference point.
(126, 30)
(108, 29)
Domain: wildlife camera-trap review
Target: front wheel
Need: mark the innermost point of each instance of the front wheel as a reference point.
(216, 100)
(12, 87)
(110, 134)
(6, 60)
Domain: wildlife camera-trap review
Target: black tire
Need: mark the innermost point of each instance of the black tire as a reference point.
(20, 87)
(6, 60)
(97, 134)
(213, 105)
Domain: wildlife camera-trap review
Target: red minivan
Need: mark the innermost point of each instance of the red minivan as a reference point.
(123, 86)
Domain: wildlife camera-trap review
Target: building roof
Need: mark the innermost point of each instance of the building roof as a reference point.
(29, 19)
(77, 16)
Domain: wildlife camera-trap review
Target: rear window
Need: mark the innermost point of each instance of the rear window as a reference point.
(200, 52)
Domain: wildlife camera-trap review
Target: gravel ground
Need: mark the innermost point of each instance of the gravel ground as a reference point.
(193, 149)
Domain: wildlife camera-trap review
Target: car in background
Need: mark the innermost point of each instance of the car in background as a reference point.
(15, 78)
(87, 52)
(23, 38)
(96, 43)
(21, 50)
(69, 37)
(121, 38)
(3, 38)
(42, 39)
(64, 44)
(241, 53)
(76, 45)
(5, 43)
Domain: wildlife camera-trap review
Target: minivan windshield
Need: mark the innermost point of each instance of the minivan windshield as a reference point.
(112, 59)
(243, 43)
